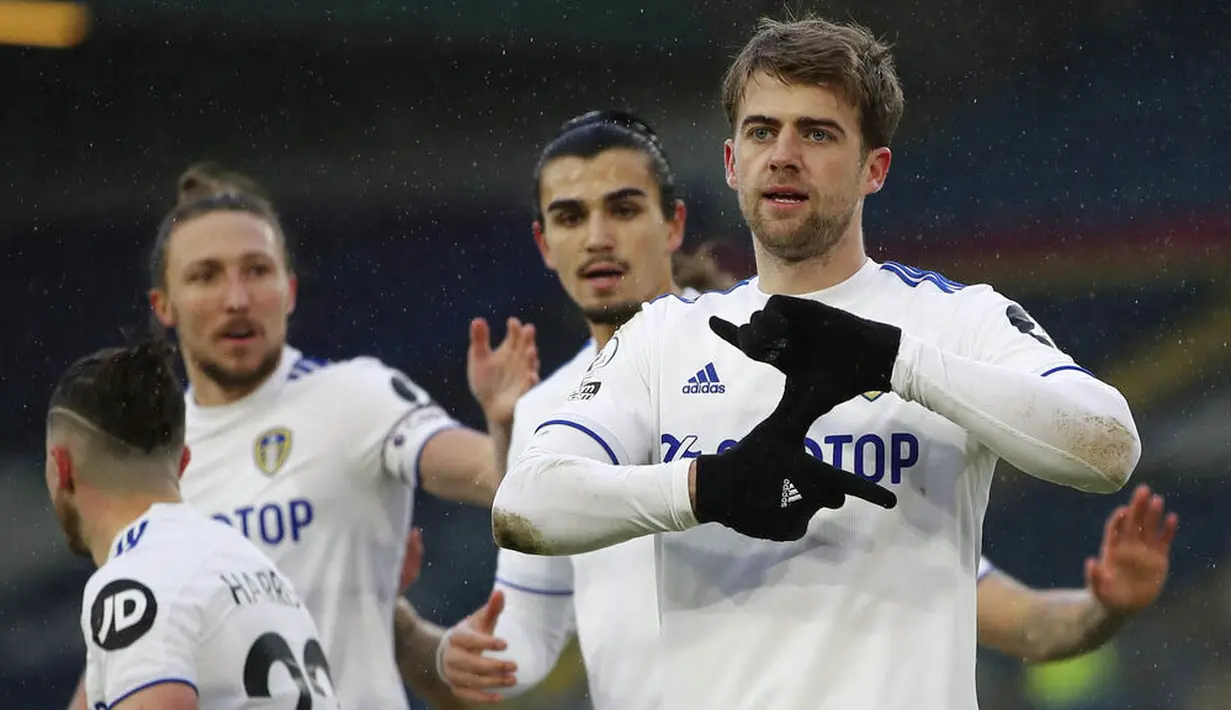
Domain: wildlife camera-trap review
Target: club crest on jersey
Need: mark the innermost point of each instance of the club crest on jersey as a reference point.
(271, 449)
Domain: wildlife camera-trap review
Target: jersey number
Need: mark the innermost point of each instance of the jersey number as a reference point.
(272, 648)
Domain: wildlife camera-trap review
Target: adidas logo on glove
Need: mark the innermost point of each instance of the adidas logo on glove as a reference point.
(789, 493)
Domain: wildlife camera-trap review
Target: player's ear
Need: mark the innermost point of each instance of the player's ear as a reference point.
(876, 168)
(160, 305)
(541, 243)
(185, 457)
(728, 162)
(675, 238)
(64, 467)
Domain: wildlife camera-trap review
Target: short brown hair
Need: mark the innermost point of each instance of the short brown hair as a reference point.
(812, 51)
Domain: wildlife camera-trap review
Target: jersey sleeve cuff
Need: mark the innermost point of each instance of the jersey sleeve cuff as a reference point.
(681, 502)
(135, 687)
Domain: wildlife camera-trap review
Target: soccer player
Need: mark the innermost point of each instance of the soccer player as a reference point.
(316, 462)
(182, 613)
(608, 223)
(1035, 625)
(886, 384)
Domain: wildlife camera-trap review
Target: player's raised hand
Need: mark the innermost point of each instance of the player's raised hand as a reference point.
(498, 378)
(463, 665)
(827, 354)
(1132, 565)
(412, 563)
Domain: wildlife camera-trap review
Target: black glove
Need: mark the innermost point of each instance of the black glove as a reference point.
(767, 486)
(832, 354)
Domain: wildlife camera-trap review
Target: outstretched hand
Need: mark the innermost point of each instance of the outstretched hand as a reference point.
(1132, 565)
(463, 665)
(498, 378)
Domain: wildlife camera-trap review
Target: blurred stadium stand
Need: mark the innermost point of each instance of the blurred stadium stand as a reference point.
(1074, 157)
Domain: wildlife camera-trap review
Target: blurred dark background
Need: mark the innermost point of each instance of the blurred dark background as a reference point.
(1071, 154)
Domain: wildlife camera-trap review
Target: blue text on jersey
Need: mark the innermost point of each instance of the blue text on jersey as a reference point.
(272, 523)
(131, 537)
(866, 455)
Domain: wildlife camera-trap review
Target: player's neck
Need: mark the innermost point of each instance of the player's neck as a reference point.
(602, 332)
(776, 275)
(208, 393)
(117, 513)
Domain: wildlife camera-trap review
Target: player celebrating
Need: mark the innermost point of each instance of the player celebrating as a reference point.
(919, 385)
(182, 612)
(538, 602)
(313, 461)
(607, 223)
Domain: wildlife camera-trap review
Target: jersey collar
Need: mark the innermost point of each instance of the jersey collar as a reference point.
(127, 538)
(847, 291)
(262, 395)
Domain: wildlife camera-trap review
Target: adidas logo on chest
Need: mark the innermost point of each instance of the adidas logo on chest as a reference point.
(704, 382)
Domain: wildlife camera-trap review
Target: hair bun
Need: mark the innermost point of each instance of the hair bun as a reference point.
(198, 182)
(623, 119)
(201, 181)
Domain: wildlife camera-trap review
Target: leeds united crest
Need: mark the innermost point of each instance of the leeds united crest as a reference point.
(271, 449)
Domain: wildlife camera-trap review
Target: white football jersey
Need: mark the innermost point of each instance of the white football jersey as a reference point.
(873, 608)
(182, 599)
(317, 468)
(610, 592)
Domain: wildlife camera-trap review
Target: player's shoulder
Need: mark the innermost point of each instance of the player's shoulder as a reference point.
(357, 378)
(318, 371)
(551, 391)
(909, 281)
(138, 572)
(152, 568)
(932, 301)
(670, 310)
(123, 600)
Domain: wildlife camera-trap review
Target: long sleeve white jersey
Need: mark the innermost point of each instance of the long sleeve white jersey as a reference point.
(873, 608)
(318, 468)
(606, 597)
(181, 599)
